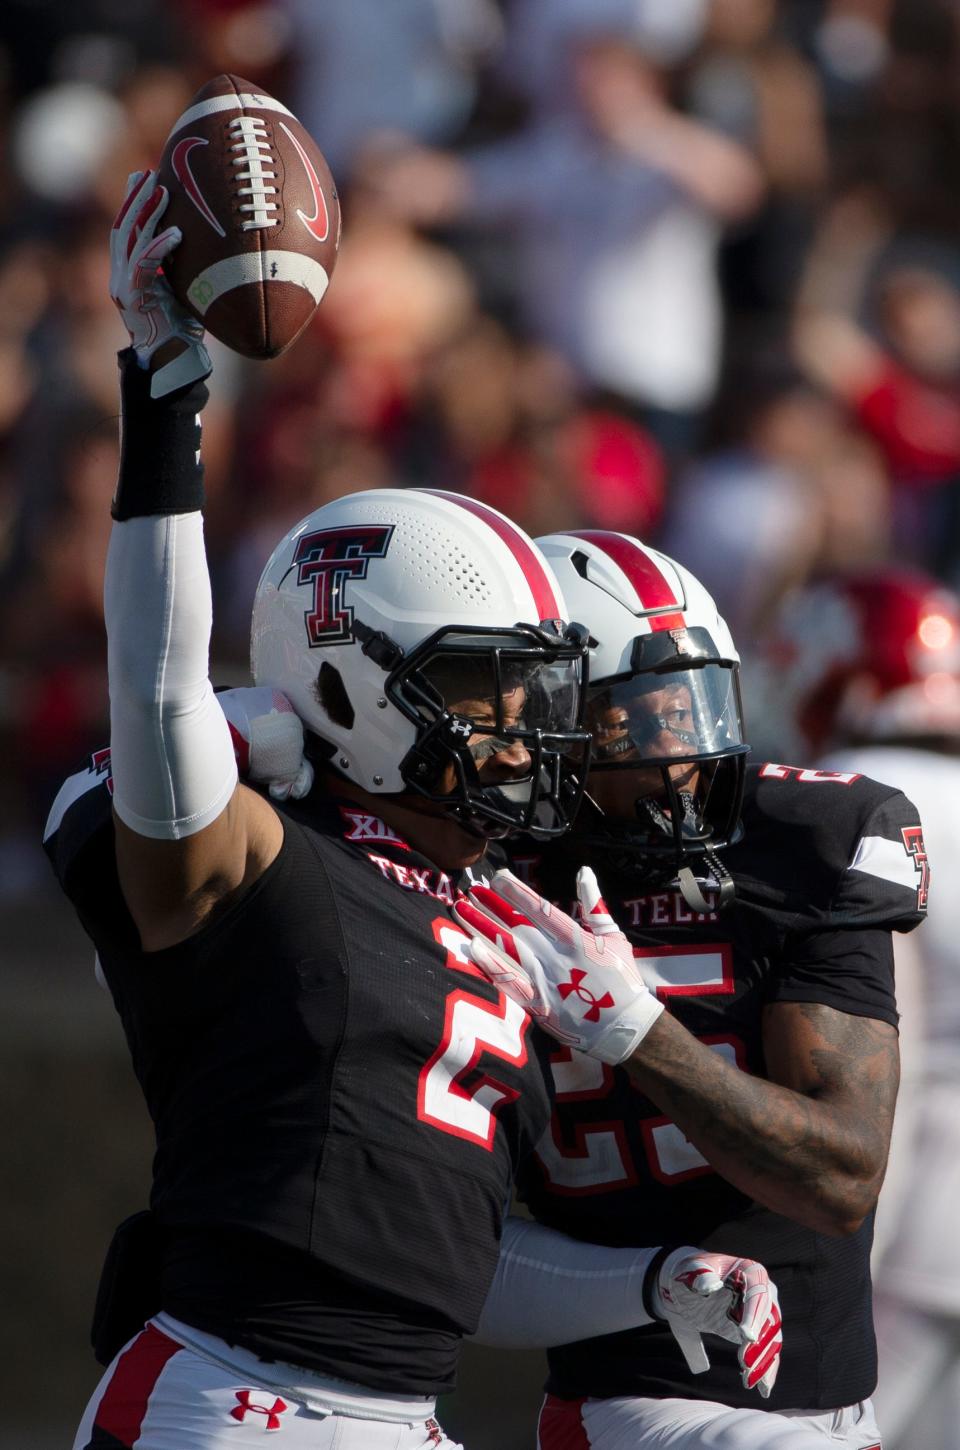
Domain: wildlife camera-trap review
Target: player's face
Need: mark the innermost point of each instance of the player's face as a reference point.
(654, 725)
(498, 720)
(497, 760)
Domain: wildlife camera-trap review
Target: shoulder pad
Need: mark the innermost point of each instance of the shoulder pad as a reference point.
(851, 847)
(801, 795)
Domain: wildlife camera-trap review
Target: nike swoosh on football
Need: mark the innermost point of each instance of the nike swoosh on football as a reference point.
(180, 162)
(317, 225)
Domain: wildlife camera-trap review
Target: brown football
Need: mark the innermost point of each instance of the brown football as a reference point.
(255, 201)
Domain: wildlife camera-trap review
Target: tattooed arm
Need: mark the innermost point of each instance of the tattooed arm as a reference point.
(810, 1143)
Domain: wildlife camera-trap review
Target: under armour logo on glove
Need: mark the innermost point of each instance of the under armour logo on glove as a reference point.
(703, 1293)
(248, 1406)
(575, 984)
(552, 965)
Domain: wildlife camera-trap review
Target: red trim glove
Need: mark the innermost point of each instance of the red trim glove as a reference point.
(697, 1293)
(267, 739)
(579, 982)
(151, 314)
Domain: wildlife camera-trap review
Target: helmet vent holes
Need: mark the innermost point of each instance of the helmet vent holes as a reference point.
(444, 566)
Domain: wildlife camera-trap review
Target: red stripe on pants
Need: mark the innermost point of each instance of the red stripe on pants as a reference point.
(561, 1425)
(124, 1405)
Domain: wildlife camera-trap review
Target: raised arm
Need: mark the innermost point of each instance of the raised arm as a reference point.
(187, 836)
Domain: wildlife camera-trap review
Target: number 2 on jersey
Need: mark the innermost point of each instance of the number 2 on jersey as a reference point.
(472, 1026)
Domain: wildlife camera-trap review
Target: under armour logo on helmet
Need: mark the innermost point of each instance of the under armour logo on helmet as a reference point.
(575, 984)
(247, 1406)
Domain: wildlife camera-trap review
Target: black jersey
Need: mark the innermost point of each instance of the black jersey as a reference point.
(327, 1072)
(827, 866)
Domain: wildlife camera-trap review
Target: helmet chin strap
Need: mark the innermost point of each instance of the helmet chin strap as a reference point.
(471, 816)
(690, 887)
(686, 880)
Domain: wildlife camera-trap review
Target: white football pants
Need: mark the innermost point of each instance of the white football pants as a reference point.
(675, 1424)
(163, 1394)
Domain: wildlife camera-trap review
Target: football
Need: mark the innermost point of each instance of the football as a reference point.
(258, 210)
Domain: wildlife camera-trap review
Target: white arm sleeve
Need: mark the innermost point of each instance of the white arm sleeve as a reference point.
(551, 1289)
(171, 755)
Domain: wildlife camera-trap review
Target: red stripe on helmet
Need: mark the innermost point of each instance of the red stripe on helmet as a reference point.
(545, 599)
(667, 621)
(654, 589)
(123, 1409)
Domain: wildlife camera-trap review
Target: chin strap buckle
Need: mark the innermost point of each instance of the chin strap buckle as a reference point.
(690, 886)
(691, 893)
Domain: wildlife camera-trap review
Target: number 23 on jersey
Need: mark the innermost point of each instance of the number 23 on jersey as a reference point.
(599, 1156)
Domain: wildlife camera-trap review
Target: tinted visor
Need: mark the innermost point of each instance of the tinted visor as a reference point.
(666, 716)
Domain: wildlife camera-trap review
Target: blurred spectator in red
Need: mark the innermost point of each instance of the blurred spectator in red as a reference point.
(594, 467)
(878, 326)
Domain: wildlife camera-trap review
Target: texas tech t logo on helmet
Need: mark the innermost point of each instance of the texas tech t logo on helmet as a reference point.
(327, 559)
(374, 586)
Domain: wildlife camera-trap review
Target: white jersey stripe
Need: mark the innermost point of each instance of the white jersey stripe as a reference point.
(72, 789)
(876, 856)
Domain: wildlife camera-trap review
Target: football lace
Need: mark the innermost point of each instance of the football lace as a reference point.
(251, 140)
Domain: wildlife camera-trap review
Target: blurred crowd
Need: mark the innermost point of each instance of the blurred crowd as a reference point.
(686, 268)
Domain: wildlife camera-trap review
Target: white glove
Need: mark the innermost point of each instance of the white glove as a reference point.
(151, 314)
(580, 983)
(267, 740)
(704, 1293)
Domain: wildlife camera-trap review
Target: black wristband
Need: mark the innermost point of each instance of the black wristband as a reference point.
(650, 1282)
(160, 471)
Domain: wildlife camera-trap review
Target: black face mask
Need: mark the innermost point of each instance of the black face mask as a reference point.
(522, 685)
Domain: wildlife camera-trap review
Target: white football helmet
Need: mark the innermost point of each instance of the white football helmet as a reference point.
(381, 607)
(664, 693)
